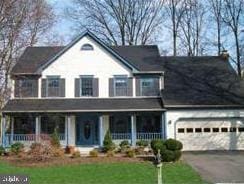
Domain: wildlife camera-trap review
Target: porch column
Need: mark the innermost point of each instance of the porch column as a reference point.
(68, 130)
(3, 130)
(12, 130)
(133, 130)
(37, 128)
(162, 126)
(100, 130)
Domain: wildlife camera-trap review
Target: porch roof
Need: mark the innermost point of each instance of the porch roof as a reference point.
(83, 105)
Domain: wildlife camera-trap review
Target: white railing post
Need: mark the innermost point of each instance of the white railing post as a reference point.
(100, 130)
(133, 130)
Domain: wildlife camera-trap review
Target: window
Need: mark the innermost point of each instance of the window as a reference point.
(206, 129)
(53, 86)
(52, 122)
(189, 130)
(149, 86)
(215, 129)
(233, 129)
(120, 85)
(198, 130)
(224, 129)
(181, 130)
(86, 86)
(87, 47)
(26, 88)
(241, 129)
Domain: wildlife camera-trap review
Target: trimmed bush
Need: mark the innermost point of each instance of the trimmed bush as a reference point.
(131, 153)
(168, 156)
(2, 151)
(173, 144)
(93, 153)
(124, 143)
(158, 145)
(142, 143)
(170, 149)
(55, 139)
(110, 153)
(76, 154)
(16, 148)
(108, 144)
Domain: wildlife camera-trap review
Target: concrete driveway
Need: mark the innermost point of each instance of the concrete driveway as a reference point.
(218, 167)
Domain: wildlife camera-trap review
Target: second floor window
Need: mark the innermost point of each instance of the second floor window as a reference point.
(53, 86)
(149, 86)
(86, 86)
(120, 86)
(26, 87)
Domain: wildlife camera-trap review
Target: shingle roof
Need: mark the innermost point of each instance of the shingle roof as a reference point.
(200, 81)
(80, 104)
(33, 58)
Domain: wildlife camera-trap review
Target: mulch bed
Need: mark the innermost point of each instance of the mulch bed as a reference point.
(67, 160)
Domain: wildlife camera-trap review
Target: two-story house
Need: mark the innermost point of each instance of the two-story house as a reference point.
(88, 87)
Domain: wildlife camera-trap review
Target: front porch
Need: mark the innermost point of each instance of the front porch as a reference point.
(82, 129)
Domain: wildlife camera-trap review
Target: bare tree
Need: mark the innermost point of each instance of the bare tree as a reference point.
(191, 25)
(118, 22)
(217, 10)
(233, 17)
(21, 22)
(175, 10)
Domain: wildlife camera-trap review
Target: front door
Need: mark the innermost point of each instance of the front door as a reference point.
(86, 131)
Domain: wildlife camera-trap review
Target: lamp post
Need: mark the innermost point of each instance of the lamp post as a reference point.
(158, 163)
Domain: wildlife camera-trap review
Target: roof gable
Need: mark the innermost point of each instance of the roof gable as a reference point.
(98, 41)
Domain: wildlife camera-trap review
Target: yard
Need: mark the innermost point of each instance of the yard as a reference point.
(105, 173)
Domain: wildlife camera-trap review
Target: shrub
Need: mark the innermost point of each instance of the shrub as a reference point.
(110, 153)
(93, 153)
(57, 152)
(124, 143)
(2, 151)
(142, 143)
(131, 153)
(170, 149)
(173, 144)
(158, 145)
(40, 152)
(55, 139)
(140, 151)
(76, 154)
(108, 144)
(16, 148)
(168, 156)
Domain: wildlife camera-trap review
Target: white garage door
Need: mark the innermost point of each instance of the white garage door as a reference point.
(211, 134)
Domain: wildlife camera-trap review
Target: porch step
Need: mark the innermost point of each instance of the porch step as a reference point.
(85, 150)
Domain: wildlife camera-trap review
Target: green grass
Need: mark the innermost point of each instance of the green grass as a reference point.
(116, 173)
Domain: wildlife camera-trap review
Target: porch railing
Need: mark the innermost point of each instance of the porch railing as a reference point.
(148, 136)
(120, 136)
(28, 137)
(139, 136)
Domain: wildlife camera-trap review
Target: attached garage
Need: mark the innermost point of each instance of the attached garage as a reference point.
(211, 134)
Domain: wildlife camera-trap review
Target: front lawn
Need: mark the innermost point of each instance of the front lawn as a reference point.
(105, 173)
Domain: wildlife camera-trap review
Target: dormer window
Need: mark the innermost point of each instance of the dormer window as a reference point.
(87, 46)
